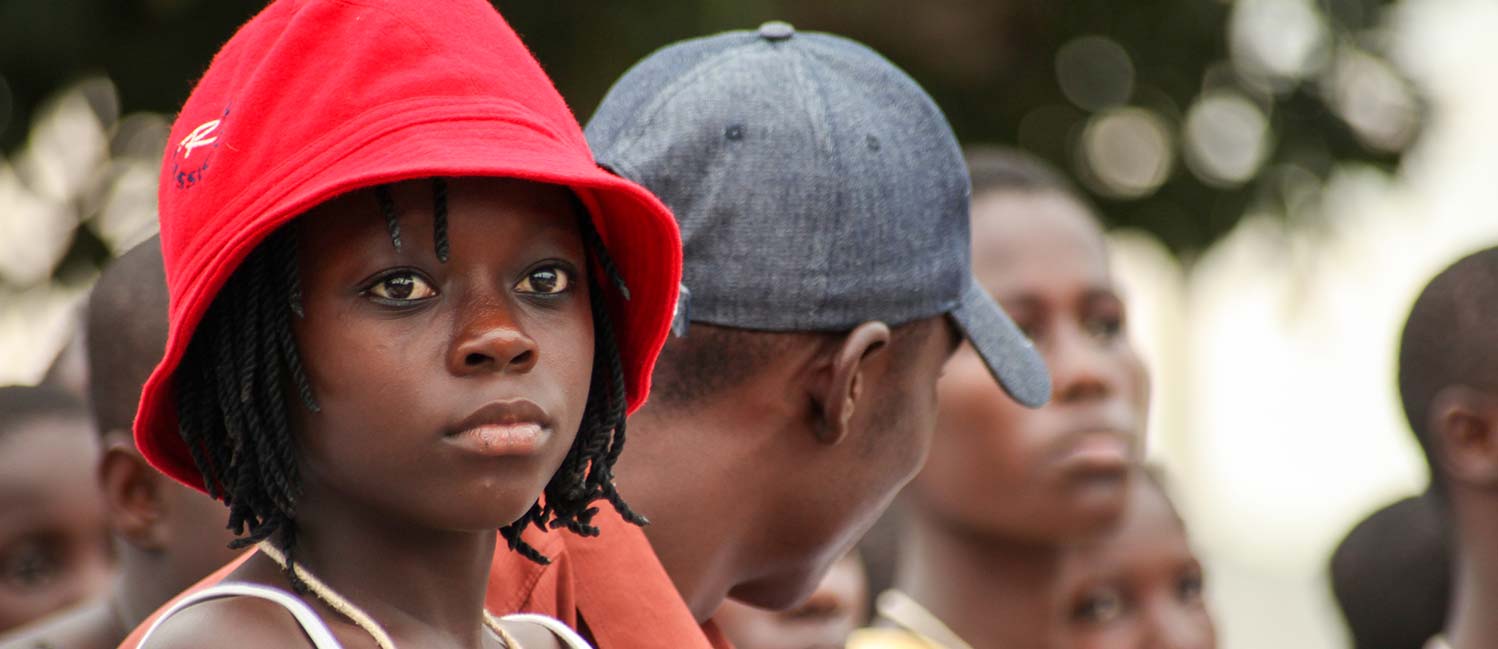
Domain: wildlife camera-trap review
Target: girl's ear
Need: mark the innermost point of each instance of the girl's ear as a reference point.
(1464, 431)
(843, 380)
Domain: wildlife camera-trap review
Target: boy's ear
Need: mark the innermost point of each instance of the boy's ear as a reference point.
(1464, 427)
(132, 494)
(843, 380)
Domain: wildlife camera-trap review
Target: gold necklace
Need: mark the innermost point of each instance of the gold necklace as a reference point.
(357, 615)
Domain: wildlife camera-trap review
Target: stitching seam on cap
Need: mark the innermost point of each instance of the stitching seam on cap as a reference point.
(636, 129)
(823, 120)
(392, 15)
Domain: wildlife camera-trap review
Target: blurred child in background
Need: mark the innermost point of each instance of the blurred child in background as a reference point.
(166, 535)
(1391, 575)
(54, 542)
(1140, 585)
(1448, 382)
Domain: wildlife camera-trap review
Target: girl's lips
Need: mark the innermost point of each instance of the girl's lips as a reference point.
(520, 438)
(499, 428)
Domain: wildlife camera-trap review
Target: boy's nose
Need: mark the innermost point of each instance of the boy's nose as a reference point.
(1079, 368)
(1173, 628)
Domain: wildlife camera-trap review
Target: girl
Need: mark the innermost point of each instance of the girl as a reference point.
(1138, 587)
(1006, 488)
(405, 303)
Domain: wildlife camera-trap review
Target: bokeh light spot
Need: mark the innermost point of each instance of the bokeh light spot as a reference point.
(1095, 72)
(1373, 99)
(1126, 153)
(1276, 43)
(1227, 138)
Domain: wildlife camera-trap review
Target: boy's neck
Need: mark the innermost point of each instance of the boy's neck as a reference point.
(140, 587)
(702, 535)
(420, 585)
(1472, 624)
(993, 592)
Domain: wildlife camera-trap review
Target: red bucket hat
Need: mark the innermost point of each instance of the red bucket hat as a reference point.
(315, 98)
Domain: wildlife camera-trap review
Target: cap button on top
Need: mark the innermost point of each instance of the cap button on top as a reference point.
(776, 30)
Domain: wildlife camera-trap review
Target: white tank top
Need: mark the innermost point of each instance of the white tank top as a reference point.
(322, 637)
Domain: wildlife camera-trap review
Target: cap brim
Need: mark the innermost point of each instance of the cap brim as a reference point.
(1009, 355)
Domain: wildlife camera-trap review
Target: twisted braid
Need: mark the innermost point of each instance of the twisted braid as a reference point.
(439, 218)
(594, 243)
(387, 208)
(232, 400)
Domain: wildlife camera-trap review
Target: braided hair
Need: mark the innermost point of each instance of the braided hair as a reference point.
(242, 373)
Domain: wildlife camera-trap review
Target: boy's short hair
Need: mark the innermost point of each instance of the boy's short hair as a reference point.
(23, 404)
(1449, 339)
(711, 360)
(1391, 575)
(126, 333)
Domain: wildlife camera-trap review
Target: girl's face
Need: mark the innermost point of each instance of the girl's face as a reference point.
(1138, 588)
(54, 539)
(1060, 472)
(449, 392)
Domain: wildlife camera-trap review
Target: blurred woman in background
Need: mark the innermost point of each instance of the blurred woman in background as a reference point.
(1005, 489)
(1140, 585)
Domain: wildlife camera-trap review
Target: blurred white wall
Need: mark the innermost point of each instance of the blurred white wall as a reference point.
(1274, 354)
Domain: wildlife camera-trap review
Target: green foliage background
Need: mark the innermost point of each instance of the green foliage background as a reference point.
(988, 63)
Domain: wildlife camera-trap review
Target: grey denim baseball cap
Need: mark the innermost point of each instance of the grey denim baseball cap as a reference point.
(817, 188)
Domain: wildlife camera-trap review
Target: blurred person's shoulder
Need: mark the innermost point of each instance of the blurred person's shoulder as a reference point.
(88, 626)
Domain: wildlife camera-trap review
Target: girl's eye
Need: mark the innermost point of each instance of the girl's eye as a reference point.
(1099, 606)
(548, 280)
(402, 287)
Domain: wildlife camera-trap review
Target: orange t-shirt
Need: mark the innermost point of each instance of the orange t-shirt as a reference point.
(613, 582)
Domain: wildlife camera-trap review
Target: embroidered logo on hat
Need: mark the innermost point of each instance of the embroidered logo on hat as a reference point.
(186, 174)
(199, 136)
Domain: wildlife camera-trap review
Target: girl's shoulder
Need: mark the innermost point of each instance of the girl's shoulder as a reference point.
(532, 636)
(239, 615)
(536, 631)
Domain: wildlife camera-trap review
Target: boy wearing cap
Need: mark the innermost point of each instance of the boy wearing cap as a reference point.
(823, 203)
(1446, 383)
